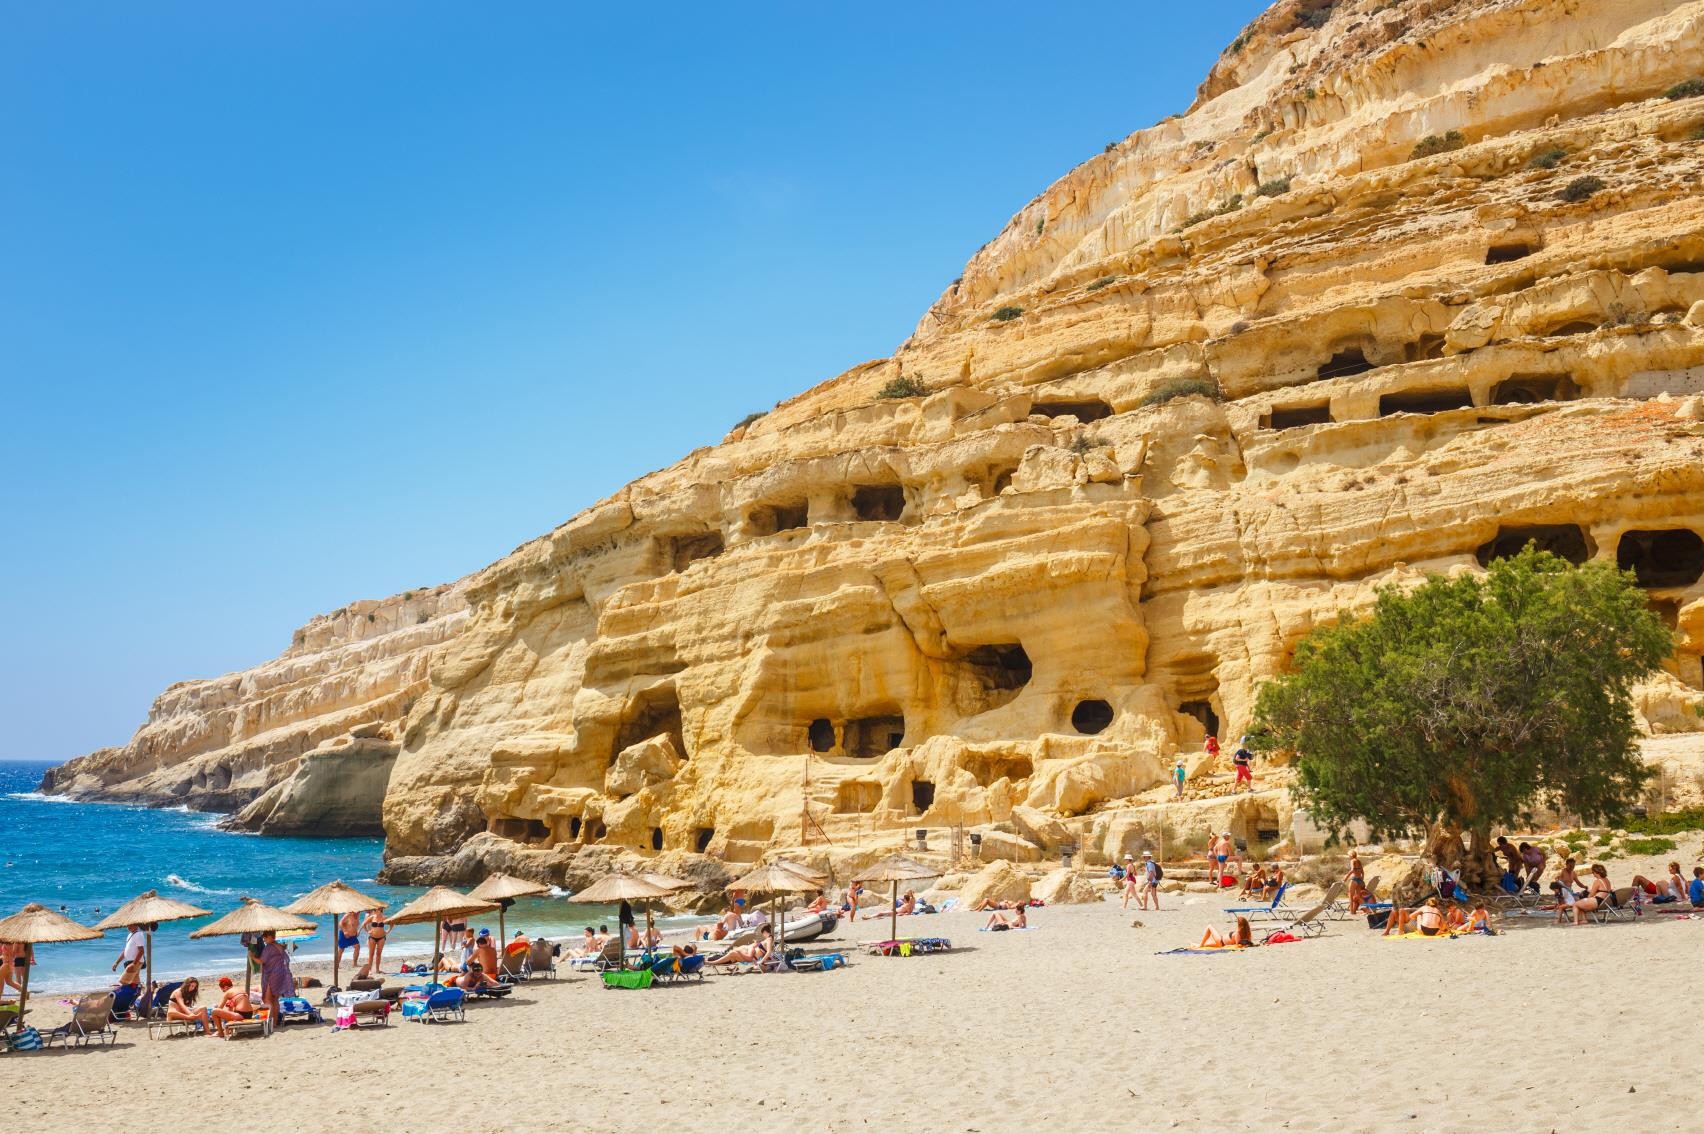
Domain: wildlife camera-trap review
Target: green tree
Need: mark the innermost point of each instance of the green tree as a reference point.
(1462, 703)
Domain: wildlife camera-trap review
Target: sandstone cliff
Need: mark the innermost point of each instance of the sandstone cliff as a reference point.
(217, 745)
(1413, 282)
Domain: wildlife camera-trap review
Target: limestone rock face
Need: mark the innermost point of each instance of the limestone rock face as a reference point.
(1066, 887)
(337, 791)
(220, 744)
(1397, 295)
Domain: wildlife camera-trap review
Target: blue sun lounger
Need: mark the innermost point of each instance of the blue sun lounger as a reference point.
(1262, 911)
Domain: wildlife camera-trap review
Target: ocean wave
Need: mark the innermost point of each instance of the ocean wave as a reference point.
(38, 797)
(558, 892)
(186, 884)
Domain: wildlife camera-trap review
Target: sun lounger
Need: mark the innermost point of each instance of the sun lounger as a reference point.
(492, 992)
(295, 1009)
(444, 1005)
(169, 1028)
(260, 1024)
(820, 963)
(541, 961)
(370, 1012)
(1266, 911)
(1309, 923)
(612, 957)
(672, 969)
(91, 1022)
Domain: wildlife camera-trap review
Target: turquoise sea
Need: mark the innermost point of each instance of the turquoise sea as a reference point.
(88, 859)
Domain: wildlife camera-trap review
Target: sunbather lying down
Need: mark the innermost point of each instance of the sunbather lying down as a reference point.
(1241, 938)
(474, 978)
(755, 953)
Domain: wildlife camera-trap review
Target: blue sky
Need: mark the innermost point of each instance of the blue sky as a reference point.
(313, 302)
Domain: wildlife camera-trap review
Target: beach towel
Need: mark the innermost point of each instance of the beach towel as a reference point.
(639, 979)
(1207, 950)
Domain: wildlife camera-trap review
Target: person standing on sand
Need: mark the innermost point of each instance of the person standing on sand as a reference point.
(1221, 857)
(853, 893)
(135, 945)
(276, 979)
(377, 929)
(1150, 881)
(1132, 880)
(349, 937)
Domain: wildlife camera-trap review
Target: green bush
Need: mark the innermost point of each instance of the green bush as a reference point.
(904, 386)
(1040, 226)
(1432, 144)
(1691, 88)
(1697, 134)
(1238, 44)
(1648, 846)
(748, 419)
(1007, 314)
(1668, 823)
(1547, 159)
(1182, 388)
(1277, 187)
(1581, 189)
(1104, 281)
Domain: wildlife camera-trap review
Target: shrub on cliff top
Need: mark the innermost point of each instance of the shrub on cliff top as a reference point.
(1007, 314)
(1691, 88)
(1432, 144)
(1581, 189)
(1277, 187)
(904, 386)
(748, 419)
(1547, 159)
(1462, 703)
(1182, 388)
(1102, 282)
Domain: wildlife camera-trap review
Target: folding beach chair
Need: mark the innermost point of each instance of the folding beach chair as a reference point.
(91, 1021)
(1267, 911)
(541, 960)
(612, 957)
(445, 1005)
(1308, 923)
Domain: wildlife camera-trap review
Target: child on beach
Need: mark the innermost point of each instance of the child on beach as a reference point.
(1178, 774)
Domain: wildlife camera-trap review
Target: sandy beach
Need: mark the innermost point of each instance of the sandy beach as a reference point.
(1076, 1024)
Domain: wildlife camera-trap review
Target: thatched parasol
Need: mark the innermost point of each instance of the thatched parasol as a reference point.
(623, 886)
(148, 910)
(434, 906)
(334, 898)
(252, 917)
(35, 924)
(896, 868)
(776, 878)
(504, 889)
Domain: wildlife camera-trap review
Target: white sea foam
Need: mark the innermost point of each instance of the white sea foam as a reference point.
(38, 797)
(558, 892)
(186, 884)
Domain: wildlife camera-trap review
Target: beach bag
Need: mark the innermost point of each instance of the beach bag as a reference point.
(1378, 920)
(27, 1040)
(411, 1009)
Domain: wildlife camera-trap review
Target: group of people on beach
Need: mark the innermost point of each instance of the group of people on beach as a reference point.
(266, 953)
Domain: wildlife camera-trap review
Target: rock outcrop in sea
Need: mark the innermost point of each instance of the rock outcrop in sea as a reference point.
(1412, 283)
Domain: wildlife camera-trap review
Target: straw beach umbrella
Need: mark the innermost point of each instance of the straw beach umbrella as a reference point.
(434, 906)
(623, 886)
(252, 917)
(897, 868)
(334, 898)
(148, 910)
(35, 924)
(776, 878)
(504, 889)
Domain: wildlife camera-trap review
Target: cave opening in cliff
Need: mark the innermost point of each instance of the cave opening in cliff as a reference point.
(1425, 401)
(1084, 410)
(655, 712)
(1345, 364)
(922, 795)
(680, 552)
(878, 501)
(1203, 712)
(573, 828)
(1662, 557)
(1565, 541)
(1424, 348)
(1573, 327)
(1092, 716)
(868, 737)
(599, 831)
(1508, 253)
(1001, 670)
(537, 831)
(1001, 479)
(1666, 609)
(1530, 389)
(987, 769)
(854, 797)
(656, 838)
(773, 518)
(821, 735)
(701, 840)
(509, 827)
(1290, 417)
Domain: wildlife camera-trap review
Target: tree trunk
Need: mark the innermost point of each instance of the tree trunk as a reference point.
(1471, 861)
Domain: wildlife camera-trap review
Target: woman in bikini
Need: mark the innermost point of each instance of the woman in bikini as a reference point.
(1357, 881)
(1018, 920)
(182, 1006)
(1241, 938)
(233, 1006)
(1598, 896)
(1430, 918)
(755, 953)
(377, 929)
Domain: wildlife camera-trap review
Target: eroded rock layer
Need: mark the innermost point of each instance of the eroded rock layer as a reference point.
(1413, 283)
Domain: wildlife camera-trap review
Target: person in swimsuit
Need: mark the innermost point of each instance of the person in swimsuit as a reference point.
(1599, 895)
(1479, 921)
(818, 904)
(349, 937)
(1150, 881)
(182, 1006)
(475, 977)
(377, 930)
(1568, 877)
(1357, 882)
(1132, 882)
(485, 952)
(1241, 938)
(1275, 880)
(1511, 857)
(755, 953)
(998, 921)
(1222, 848)
(1532, 866)
(1430, 919)
(234, 1005)
(1671, 888)
(854, 893)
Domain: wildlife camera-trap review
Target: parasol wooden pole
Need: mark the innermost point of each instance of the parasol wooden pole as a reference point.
(502, 930)
(148, 960)
(336, 949)
(24, 988)
(780, 930)
(437, 938)
(893, 922)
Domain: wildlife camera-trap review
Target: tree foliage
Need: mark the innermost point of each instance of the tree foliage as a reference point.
(1462, 703)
